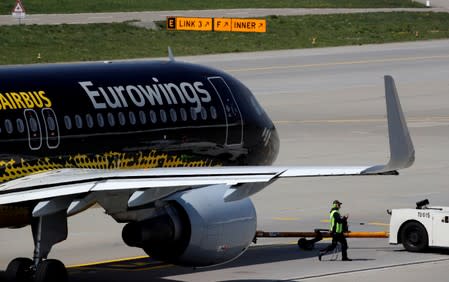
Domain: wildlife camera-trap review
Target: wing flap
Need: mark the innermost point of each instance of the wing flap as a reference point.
(66, 182)
(323, 171)
(24, 195)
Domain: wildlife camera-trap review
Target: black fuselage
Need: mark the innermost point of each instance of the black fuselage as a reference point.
(128, 115)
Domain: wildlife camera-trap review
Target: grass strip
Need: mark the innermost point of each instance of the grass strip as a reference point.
(57, 43)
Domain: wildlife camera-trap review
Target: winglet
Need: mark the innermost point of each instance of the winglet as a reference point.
(170, 54)
(402, 152)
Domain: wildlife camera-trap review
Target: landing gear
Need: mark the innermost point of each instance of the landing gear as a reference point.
(19, 269)
(47, 231)
(23, 270)
(50, 270)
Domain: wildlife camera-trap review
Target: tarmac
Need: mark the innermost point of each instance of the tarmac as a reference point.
(328, 105)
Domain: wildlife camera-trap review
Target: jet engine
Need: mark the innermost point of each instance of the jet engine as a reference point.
(196, 228)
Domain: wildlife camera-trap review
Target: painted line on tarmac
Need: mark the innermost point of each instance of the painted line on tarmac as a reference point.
(361, 223)
(366, 269)
(378, 224)
(106, 261)
(286, 218)
(133, 264)
(343, 63)
(355, 120)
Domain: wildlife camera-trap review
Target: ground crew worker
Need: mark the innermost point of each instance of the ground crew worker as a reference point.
(338, 225)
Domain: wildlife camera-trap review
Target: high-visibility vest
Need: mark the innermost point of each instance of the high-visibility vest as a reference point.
(338, 226)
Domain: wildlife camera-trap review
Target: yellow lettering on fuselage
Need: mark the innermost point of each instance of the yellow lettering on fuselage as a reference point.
(46, 99)
(4, 102)
(24, 100)
(18, 100)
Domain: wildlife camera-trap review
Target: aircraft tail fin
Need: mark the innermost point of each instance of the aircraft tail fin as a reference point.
(402, 152)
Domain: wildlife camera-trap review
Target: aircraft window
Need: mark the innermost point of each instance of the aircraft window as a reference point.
(20, 125)
(153, 116)
(173, 115)
(100, 120)
(33, 124)
(213, 112)
(111, 119)
(89, 120)
(132, 118)
(8, 126)
(142, 117)
(163, 116)
(183, 114)
(193, 113)
(68, 122)
(51, 123)
(121, 118)
(78, 121)
(203, 113)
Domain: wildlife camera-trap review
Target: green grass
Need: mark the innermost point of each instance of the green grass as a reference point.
(22, 44)
(80, 6)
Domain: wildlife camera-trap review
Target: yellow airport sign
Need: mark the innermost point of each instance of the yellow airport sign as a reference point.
(249, 25)
(222, 24)
(217, 24)
(171, 23)
(184, 23)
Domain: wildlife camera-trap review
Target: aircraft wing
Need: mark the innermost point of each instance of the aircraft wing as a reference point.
(73, 188)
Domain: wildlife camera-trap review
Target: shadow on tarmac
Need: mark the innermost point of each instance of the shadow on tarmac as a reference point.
(146, 269)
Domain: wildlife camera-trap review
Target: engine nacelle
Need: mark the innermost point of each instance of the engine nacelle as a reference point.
(197, 228)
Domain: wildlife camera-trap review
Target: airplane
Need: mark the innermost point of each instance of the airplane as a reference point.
(172, 149)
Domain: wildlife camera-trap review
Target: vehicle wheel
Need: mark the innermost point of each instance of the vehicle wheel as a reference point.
(414, 237)
(51, 270)
(305, 244)
(19, 269)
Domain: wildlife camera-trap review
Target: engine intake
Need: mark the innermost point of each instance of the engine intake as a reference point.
(164, 237)
(197, 228)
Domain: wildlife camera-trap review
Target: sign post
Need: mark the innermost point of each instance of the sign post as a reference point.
(19, 11)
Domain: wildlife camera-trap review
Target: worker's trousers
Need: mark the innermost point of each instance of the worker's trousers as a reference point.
(338, 238)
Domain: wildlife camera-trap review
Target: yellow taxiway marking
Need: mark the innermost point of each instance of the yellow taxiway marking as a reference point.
(378, 224)
(129, 259)
(342, 63)
(106, 261)
(286, 218)
(111, 265)
(409, 119)
(369, 223)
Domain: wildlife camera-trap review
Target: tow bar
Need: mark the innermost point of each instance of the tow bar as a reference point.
(317, 236)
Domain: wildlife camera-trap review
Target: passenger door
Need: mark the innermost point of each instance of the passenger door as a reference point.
(42, 128)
